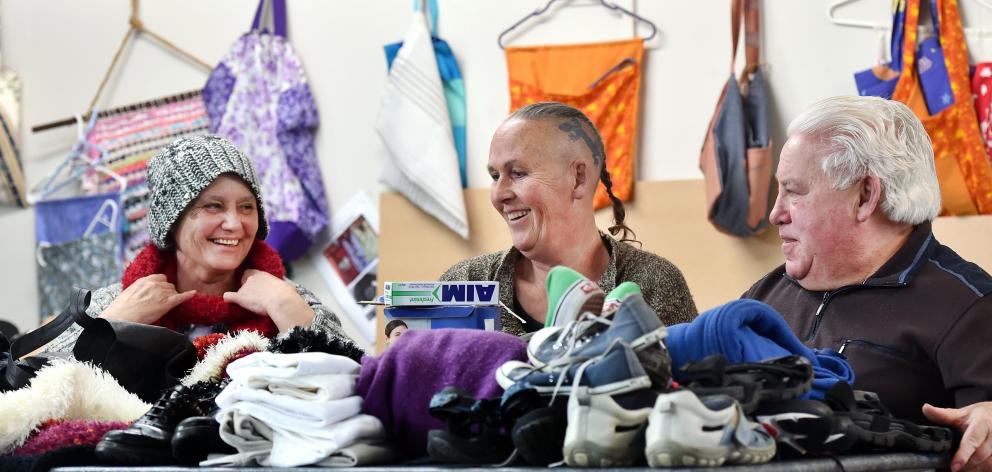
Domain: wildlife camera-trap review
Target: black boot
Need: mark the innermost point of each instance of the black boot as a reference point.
(148, 440)
(196, 437)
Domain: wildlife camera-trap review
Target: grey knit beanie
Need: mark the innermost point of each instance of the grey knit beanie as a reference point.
(181, 170)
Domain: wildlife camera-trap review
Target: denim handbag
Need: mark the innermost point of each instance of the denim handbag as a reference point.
(736, 158)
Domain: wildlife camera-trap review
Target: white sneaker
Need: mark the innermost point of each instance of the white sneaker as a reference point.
(686, 431)
(608, 408)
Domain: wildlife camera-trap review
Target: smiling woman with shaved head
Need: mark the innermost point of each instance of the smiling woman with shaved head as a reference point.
(545, 161)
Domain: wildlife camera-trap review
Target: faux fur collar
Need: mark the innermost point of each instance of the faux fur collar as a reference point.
(64, 390)
(205, 309)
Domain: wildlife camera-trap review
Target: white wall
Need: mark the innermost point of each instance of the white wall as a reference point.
(61, 48)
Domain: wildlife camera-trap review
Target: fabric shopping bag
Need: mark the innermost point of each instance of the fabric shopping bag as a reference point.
(981, 89)
(451, 80)
(416, 128)
(880, 81)
(736, 158)
(963, 168)
(13, 189)
(258, 97)
(79, 244)
(601, 79)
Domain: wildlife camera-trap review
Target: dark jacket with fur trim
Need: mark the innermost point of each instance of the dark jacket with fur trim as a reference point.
(916, 331)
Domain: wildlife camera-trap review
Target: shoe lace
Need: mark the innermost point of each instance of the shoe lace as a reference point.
(581, 370)
(573, 336)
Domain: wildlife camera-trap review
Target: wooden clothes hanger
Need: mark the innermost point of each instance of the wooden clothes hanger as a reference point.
(137, 27)
(611, 6)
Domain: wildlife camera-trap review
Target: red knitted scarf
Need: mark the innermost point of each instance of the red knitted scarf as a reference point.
(205, 309)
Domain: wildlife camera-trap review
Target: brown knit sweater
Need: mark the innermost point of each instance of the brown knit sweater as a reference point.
(661, 282)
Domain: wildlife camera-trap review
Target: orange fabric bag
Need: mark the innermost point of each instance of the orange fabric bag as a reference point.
(962, 167)
(601, 79)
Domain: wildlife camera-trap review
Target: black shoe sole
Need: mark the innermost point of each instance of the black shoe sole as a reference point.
(127, 454)
(197, 437)
(802, 427)
(539, 435)
(752, 384)
(897, 434)
(447, 448)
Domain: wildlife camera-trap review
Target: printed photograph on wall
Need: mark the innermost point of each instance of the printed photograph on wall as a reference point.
(349, 262)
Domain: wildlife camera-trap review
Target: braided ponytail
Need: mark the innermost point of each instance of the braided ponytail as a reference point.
(619, 212)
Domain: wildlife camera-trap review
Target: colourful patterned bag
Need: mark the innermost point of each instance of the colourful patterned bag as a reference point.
(962, 166)
(258, 98)
(131, 135)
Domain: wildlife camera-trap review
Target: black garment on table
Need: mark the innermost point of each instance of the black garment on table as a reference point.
(530, 324)
(146, 360)
(70, 456)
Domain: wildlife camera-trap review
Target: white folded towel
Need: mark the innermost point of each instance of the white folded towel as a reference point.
(276, 365)
(260, 444)
(321, 415)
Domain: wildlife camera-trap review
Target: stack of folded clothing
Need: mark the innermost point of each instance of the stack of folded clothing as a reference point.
(287, 410)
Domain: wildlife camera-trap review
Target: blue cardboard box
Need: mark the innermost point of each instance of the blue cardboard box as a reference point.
(451, 316)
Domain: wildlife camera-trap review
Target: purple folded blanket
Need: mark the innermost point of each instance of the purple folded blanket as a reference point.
(398, 384)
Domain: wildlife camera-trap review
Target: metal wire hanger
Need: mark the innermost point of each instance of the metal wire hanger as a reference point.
(611, 6)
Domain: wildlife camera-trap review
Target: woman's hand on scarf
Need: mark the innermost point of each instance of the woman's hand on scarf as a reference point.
(268, 295)
(146, 300)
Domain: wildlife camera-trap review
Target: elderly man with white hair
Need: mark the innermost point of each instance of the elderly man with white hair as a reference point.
(864, 274)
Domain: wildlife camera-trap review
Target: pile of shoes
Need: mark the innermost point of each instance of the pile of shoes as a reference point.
(598, 391)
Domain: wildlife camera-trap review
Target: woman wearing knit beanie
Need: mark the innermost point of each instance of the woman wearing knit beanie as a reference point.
(208, 271)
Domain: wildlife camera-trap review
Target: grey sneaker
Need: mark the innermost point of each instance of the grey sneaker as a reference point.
(608, 408)
(685, 430)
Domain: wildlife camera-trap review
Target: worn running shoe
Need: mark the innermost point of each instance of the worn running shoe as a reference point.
(686, 430)
(608, 408)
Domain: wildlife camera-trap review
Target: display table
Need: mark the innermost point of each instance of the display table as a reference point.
(901, 461)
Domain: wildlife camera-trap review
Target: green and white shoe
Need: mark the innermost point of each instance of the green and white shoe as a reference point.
(570, 295)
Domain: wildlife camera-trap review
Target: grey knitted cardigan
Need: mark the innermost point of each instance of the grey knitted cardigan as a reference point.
(324, 318)
(662, 283)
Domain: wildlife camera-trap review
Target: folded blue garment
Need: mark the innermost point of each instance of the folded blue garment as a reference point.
(751, 331)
